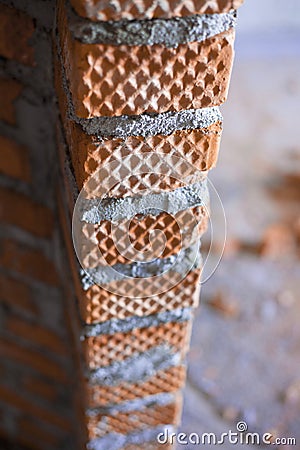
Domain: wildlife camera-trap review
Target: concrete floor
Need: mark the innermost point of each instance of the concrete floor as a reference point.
(244, 362)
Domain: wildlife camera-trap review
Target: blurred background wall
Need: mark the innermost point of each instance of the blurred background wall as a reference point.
(245, 356)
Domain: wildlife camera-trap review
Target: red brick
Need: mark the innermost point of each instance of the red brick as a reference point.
(29, 262)
(145, 9)
(31, 433)
(14, 160)
(16, 29)
(7, 395)
(34, 359)
(16, 294)
(9, 92)
(18, 209)
(40, 388)
(134, 421)
(37, 335)
(103, 350)
(110, 80)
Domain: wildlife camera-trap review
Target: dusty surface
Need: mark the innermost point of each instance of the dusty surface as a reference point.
(244, 359)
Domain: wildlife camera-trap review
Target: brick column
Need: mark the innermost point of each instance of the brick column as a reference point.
(139, 85)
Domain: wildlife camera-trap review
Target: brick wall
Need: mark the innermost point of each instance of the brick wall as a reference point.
(37, 367)
(139, 85)
(94, 353)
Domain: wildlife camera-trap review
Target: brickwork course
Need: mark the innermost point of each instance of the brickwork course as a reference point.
(109, 124)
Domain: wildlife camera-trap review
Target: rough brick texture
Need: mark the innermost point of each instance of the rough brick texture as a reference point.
(145, 9)
(91, 355)
(107, 80)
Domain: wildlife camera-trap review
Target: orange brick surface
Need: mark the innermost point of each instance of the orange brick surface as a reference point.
(98, 304)
(169, 380)
(148, 9)
(198, 148)
(16, 30)
(187, 153)
(107, 80)
(14, 160)
(142, 238)
(9, 92)
(103, 350)
(134, 421)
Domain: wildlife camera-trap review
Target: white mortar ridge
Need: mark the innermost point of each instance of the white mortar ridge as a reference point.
(161, 399)
(125, 325)
(136, 368)
(116, 441)
(168, 32)
(184, 261)
(115, 209)
(149, 124)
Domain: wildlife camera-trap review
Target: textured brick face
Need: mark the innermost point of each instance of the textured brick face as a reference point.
(143, 238)
(169, 380)
(148, 9)
(133, 421)
(99, 304)
(103, 350)
(199, 148)
(110, 81)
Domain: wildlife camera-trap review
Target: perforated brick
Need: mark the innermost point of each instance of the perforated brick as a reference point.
(142, 238)
(98, 304)
(107, 80)
(164, 381)
(103, 350)
(100, 425)
(148, 9)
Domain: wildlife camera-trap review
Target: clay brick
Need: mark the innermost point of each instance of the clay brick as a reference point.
(134, 421)
(34, 359)
(103, 350)
(186, 150)
(14, 160)
(98, 304)
(30, 432)
(21, 403)
(19, 210)
(36, 335)
(17, 294)
(142, 238)
(31, 263)
(9, 92)
(145, 9)
(170, 380)
(107, 80)
(41, 388)
(16, 30)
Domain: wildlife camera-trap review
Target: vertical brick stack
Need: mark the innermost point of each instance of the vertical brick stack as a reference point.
(139, 85)
(36, 367)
